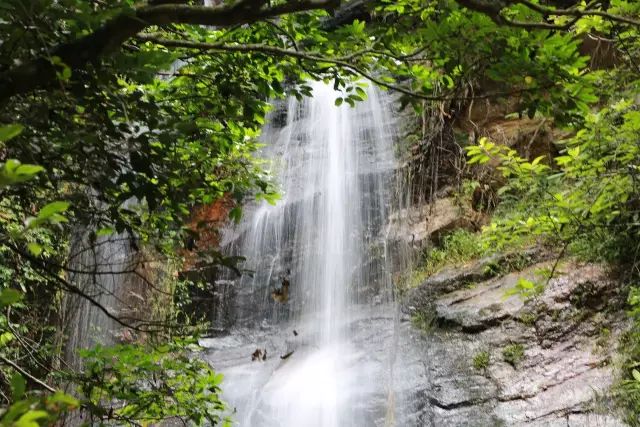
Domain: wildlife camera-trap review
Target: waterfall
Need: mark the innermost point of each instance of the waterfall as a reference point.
(325, 365)
(112, 272)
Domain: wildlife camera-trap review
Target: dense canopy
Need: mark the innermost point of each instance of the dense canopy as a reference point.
(122, 118)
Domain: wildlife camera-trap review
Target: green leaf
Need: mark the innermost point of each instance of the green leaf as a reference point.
(525, 284)
(236, 214)
(6, 338)
(34, 248)
(105, 231)
(28, 169)
(52, 208)
(9, 297)
(217, 379)
(64, 399)
(29, 419)
(574, 152)
(10, 131)
(339, 102)
(66, 73)
(636, 375)
(18, 386)
(537, 160)
(13, 172)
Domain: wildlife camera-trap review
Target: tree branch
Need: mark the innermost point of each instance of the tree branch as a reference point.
(494, 8)
(27, 374)
(77, 54)
(340, 62)
(44, 271)
(578, 13)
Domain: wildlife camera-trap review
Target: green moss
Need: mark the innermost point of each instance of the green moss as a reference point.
(423, 320)
(603, 340)
(458, 247)
(513, 354)
(528, 318)
(481, 360)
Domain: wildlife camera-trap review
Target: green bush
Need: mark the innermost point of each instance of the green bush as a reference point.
(151, 384)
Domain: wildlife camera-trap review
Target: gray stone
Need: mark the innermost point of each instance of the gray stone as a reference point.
(563, 374)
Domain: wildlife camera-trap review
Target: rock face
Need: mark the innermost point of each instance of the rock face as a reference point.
(430, 369)
(426, 226)
(562, 340)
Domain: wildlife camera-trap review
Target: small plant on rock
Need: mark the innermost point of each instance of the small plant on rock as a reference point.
(458, 247)
(481, 360)
(423, 320)
(526, 289)
(528, 318)
(513, 354)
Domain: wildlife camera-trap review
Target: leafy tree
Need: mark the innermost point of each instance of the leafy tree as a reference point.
(120, 118)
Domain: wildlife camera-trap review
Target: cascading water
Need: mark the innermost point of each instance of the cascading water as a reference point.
(97, 270)
(326, 363)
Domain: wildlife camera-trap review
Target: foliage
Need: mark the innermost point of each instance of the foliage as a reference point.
(27, 410)
(515, 261)
(591, 197)
(513, 354)
(458, 247)
(628, 387)
(36, 411)
(120, 118)
(133, 383)
(586, 204)
(424, 320)
(526, 289)
(481, 360)
(462, 246)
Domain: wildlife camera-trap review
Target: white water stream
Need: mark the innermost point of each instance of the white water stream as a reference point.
(327, 237)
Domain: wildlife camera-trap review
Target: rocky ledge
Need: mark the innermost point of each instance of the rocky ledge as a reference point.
(489, 359)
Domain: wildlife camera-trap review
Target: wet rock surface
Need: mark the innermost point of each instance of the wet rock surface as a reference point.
(364, 373)
(566, 335)
(426, 376)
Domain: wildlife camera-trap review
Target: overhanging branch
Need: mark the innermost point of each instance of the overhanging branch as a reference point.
(342, 62)
(282, 52)
(579, 13)
(77, 54)
(494, 9)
